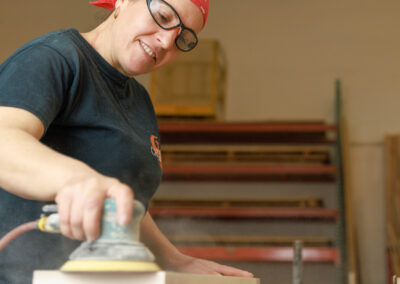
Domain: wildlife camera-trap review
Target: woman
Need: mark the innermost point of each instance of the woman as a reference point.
(76, 128)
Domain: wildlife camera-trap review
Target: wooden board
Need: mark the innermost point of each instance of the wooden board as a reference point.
(242, 202)
(392, 161)
(245, 153)
(171, 110)
(160, 277)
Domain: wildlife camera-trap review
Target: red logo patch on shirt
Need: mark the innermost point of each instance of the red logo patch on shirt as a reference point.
(155, 148)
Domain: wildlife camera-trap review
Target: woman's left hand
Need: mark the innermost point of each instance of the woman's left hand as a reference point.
(170, 258)
(188, 264)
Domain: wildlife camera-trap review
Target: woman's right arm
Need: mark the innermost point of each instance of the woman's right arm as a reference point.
(32, 170)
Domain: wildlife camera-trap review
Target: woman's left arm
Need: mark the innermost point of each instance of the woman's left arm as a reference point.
(170, 258)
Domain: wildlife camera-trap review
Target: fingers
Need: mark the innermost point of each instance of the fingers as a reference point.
(64, 205)
(92, 216)
(80, 206)
(231, 271)
(123, 196)
(202, 266)
(76, 219)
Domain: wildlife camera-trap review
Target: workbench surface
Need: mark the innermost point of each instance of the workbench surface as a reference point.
(159, 277)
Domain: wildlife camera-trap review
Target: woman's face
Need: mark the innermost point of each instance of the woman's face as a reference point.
(139, 45)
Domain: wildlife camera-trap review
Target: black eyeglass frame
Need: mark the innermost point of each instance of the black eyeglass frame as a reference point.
(181, 25)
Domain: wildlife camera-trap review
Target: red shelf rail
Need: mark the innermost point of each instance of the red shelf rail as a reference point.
(244, 127)
(245, 132)
(268, 254)
(212, 172)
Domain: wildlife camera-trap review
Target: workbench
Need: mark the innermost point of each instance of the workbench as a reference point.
(159, 277)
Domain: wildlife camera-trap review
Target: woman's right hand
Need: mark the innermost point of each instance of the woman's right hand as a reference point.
(80, 205)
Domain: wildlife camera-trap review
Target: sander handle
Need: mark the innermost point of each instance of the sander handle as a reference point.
(50, 224)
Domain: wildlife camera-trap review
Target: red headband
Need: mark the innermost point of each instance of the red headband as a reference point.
(110, 5)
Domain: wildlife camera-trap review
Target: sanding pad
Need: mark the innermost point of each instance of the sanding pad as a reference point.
(109, 266)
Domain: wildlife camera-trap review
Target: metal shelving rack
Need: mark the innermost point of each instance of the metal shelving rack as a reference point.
(186, 133)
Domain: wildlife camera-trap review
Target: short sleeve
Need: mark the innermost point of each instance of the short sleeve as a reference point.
(35, 79)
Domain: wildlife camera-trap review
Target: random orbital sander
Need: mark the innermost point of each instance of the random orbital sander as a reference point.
(117, 249)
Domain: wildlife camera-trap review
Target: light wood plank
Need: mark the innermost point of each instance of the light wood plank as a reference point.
(160, 277)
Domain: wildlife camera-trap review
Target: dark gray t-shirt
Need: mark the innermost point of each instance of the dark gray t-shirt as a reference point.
(91, 112)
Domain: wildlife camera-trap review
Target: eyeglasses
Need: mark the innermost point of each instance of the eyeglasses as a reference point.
(167, 18)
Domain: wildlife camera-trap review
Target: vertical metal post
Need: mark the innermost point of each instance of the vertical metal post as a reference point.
(297, 262)
(341, 223)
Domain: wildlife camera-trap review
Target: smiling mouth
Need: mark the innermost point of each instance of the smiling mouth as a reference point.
(148, 50)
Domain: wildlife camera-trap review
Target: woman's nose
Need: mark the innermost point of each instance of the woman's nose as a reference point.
(167, 37)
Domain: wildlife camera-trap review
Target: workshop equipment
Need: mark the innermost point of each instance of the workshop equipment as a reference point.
(117, 249)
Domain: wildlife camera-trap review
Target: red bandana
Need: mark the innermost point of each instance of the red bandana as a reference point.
(110, 5)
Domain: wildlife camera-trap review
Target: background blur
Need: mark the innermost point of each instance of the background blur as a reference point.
(283, 58)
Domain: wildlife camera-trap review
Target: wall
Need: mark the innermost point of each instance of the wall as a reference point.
(283, 58)
(21, 20)
(291, 52)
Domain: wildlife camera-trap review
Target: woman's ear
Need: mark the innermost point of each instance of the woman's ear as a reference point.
(119, 3)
